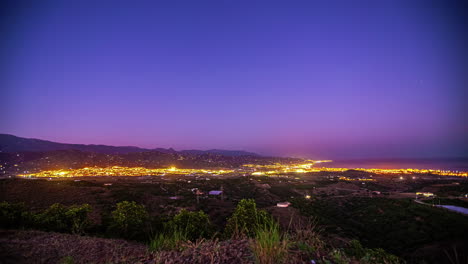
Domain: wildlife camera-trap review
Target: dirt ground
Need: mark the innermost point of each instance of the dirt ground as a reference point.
(18, 247)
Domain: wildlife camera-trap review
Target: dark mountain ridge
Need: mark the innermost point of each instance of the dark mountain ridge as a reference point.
(12, 144)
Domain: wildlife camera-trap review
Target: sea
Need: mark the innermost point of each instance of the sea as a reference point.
(452, 164)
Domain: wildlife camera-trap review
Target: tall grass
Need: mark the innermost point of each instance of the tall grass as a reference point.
(270, 245)
(168, 241)
(307, 237)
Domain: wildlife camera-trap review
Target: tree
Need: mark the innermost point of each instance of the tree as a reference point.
(53, 218)
(246, 219)
(13, 215)
(58, 217)
(193, 224)
(78, 218)
(129, 218)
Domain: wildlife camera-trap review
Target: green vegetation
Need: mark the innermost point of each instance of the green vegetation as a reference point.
(246, 219)
(307, 239)
(193, 225)
(398, 226)
(129, 219)
(370, 256)
(185, 226)
(376, 227)
(78, 218)
(59, 218)
(53, 218)
(67, 260)
(269, 245)
(168, 240)
(13, 215)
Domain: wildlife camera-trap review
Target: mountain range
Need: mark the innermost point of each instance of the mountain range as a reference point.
(11, 144)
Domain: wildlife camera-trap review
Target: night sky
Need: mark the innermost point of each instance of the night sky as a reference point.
(323, 79)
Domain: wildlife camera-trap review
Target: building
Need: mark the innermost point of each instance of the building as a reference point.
(283, 204)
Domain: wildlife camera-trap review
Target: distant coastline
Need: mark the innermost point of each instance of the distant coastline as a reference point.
(453, 164)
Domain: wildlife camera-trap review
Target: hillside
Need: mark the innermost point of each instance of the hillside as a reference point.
(11, 143)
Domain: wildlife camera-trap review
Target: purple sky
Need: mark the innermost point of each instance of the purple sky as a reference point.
(316, 78)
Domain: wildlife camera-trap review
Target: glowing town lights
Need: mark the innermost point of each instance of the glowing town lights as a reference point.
(309, 167)
(425, 194)
(120, 171)
(307, 196)
(350, 179)
(252, 169)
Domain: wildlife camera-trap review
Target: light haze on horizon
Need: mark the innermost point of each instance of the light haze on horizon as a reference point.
(322, 79)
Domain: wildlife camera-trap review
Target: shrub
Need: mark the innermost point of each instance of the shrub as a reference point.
(246, 219)
(53, 218)
(379, 255)
(62, 219)
(339, 257)
(129, 219)
(193, 224)
(78, 218)
(13, 215)
(355, 249)
(369, 256)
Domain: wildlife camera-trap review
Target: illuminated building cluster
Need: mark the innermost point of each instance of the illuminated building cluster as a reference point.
(121, 171)
(253, 169)
(425, 194)
(358, 179)
(309, 167)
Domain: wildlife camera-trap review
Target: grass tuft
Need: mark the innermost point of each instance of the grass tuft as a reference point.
(269, 244)
(168, 241)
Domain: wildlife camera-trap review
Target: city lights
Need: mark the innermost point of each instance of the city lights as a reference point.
(252, 169)
(121, 171)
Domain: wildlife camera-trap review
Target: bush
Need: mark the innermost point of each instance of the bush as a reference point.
(129, 219)
(369, 256)
(193, 224)
(62, 219)
(53, 218)
(246, 219)
(13, 215)
(339, 257)
(78, 218)
(355, 249)
(379, 255)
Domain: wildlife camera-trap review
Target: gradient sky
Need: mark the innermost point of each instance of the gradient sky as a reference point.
(323, 79)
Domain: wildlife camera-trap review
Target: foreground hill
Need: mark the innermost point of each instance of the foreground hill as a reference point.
(49, 247)
(11, 143)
